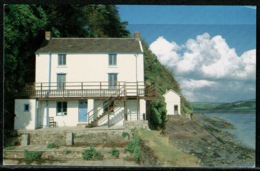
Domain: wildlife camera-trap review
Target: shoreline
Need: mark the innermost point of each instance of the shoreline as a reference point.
(209, 140)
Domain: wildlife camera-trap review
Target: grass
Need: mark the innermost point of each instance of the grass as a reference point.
(165, 152)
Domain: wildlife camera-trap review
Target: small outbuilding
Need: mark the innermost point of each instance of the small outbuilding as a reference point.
(173, 102)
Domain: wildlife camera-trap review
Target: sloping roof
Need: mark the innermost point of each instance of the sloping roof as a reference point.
(91, 45)
(167, 91)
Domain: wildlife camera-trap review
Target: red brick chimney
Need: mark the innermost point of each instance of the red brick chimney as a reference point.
(48, 35)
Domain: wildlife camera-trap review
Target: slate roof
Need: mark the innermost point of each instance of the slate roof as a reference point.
(91, 45)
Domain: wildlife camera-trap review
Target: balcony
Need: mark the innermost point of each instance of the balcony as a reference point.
(80, 90)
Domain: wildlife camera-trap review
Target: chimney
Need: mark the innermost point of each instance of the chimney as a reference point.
(48, 35)
(137, 36)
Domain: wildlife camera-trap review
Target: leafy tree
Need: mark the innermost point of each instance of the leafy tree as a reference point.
(22, 26)
(154, 71)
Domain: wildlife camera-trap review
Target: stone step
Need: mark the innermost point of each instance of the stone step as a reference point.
(62, 152)
(76, 162)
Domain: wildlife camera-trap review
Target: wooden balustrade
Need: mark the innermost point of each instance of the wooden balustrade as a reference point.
(87, 89)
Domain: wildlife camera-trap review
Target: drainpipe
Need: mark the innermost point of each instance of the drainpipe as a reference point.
(47, 102)
(136, 70)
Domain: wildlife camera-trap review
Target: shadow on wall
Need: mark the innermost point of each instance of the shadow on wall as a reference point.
(23, 118)
(115, 118)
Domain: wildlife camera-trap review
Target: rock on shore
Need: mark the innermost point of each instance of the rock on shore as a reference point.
(209, 139)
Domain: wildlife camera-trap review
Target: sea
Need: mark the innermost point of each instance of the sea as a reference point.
(245, 123)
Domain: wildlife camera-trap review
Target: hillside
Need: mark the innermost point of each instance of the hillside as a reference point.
(155, 72)
(221, 107)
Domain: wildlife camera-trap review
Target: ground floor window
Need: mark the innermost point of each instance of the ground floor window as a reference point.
(61, 108)
(26, 107)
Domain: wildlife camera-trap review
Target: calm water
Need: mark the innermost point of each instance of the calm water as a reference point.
(244, 122)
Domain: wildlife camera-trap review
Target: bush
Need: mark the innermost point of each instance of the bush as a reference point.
(51, 145)
(67, 151)
(134, 147)
(32, 156)
(114, 152)
(126, 134)
(9, 148)
(91, 153)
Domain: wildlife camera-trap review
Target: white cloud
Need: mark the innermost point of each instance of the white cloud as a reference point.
(166, 50)
(211, 57)
(203, 63)
(196, 84)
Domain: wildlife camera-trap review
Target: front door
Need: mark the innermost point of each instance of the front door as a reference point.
(61, 81)
(83, 111)
(112, 80)
(175, 109)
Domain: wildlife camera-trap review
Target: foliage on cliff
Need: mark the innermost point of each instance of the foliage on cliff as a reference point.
(155, 72)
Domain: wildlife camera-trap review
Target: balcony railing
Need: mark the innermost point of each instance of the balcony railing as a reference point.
(87, 89)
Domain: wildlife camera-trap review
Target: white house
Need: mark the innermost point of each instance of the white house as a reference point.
(85, 81)
(173, 102)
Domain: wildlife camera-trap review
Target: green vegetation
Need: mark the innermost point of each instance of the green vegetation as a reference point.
(91, 153)
(134, 147)
(114, 152)
(166, 153)
(9, 148)
(225, 107)
(51, 145)
(67, 151)
(155, 72)
(125, 134)
(32, 156)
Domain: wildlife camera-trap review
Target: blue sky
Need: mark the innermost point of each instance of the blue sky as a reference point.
(220, 34)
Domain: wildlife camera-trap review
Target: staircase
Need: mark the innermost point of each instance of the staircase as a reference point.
(109, 104)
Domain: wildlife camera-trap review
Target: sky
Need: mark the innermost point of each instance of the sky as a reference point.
(210, 50)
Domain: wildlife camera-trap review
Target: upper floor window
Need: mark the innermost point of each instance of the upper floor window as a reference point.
(61, 59)
(112, 60)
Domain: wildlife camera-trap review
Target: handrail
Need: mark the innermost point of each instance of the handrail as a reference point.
(106, 103)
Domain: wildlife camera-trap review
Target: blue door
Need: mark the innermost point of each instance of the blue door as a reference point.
(83, 111)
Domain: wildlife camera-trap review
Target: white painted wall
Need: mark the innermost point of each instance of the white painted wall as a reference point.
(86, 68)
(71, 119)
(25, 119)
(171, 99)
(89, 67)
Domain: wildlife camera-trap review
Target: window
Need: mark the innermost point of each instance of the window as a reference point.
(61, 59)
(26, 107)
(112, 80)
(61, 108)
(112, 60)
(61, 81)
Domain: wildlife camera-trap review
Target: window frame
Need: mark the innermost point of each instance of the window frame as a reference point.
(112, 80)
(62, 60)
(61, 85)
(63, 106)
(112, 60)
(26, 107)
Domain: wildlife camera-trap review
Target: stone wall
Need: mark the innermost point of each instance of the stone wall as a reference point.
(136, 124)
(77, 138)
